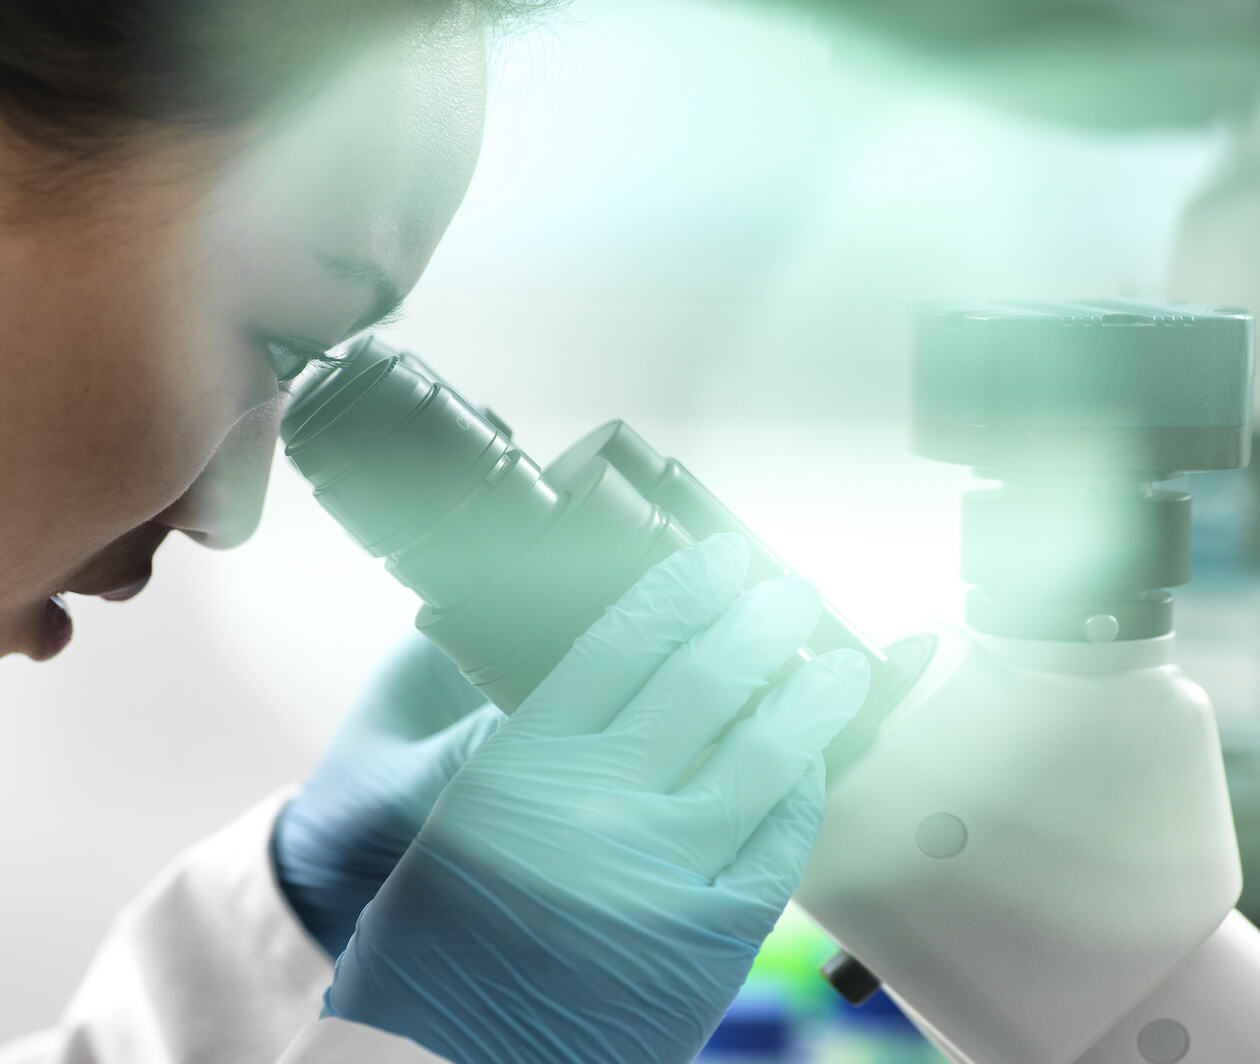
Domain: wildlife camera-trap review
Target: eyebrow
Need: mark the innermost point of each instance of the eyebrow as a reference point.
(389, 299)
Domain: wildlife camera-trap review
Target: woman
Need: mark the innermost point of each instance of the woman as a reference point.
(196, 201)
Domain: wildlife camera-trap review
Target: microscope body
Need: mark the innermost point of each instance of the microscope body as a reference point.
(1027, 835)
(1036, 854)
(1038, 835)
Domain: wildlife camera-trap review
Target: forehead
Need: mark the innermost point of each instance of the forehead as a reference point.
(376, 160)
(368, 169)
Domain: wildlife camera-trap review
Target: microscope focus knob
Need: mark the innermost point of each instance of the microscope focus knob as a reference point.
(851, 979)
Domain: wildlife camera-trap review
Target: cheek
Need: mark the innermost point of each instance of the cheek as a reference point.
(171, 386)
(123, 403)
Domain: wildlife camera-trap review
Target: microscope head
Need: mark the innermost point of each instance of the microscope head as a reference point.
(511, 561)
(1079, 408)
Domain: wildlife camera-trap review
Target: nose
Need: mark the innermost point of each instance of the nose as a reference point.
(222, 507)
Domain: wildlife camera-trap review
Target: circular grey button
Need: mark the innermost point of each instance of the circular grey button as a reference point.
(1163, 1042)
(1101, 628)
(941, 835)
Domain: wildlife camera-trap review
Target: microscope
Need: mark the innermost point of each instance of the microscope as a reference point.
(1027, 840)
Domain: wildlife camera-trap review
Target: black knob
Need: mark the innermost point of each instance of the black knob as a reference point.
(851, 979)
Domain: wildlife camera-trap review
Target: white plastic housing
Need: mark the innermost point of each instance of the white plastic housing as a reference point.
(1082, 788)
(1207, 1009)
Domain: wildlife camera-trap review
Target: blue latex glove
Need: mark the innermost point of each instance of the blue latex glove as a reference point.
(583, 890)
(336, 842)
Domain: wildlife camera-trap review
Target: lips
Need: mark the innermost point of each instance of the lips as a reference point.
(118, 573)
(126, 591)
(116, 588)
(56, 627)
(55, 630)
(122, 570)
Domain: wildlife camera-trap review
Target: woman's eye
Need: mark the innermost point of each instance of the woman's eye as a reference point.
(288, 360)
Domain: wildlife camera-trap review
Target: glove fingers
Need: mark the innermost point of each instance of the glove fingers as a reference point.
(762, 757)
(436, 758)
(769, 865)
(697, 691)
(620, 652)
(418, 692)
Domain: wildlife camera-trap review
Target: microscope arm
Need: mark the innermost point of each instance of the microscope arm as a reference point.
(1036, 852)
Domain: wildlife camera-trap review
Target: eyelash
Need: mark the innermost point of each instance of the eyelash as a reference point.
(285, 378)
(319, 358)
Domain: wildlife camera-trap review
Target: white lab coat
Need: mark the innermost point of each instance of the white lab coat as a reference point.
(210, 964)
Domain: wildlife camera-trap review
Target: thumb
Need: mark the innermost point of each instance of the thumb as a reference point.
(439, 756)
(415, 693)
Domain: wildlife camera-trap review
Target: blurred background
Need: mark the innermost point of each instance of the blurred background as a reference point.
(710, 219)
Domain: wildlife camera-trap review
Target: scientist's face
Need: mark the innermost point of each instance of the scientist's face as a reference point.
(139, 321)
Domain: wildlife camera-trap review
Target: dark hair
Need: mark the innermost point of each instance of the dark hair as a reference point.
(77, 77)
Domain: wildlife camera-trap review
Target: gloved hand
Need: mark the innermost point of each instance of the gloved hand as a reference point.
(335, 843)
(582, 891)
